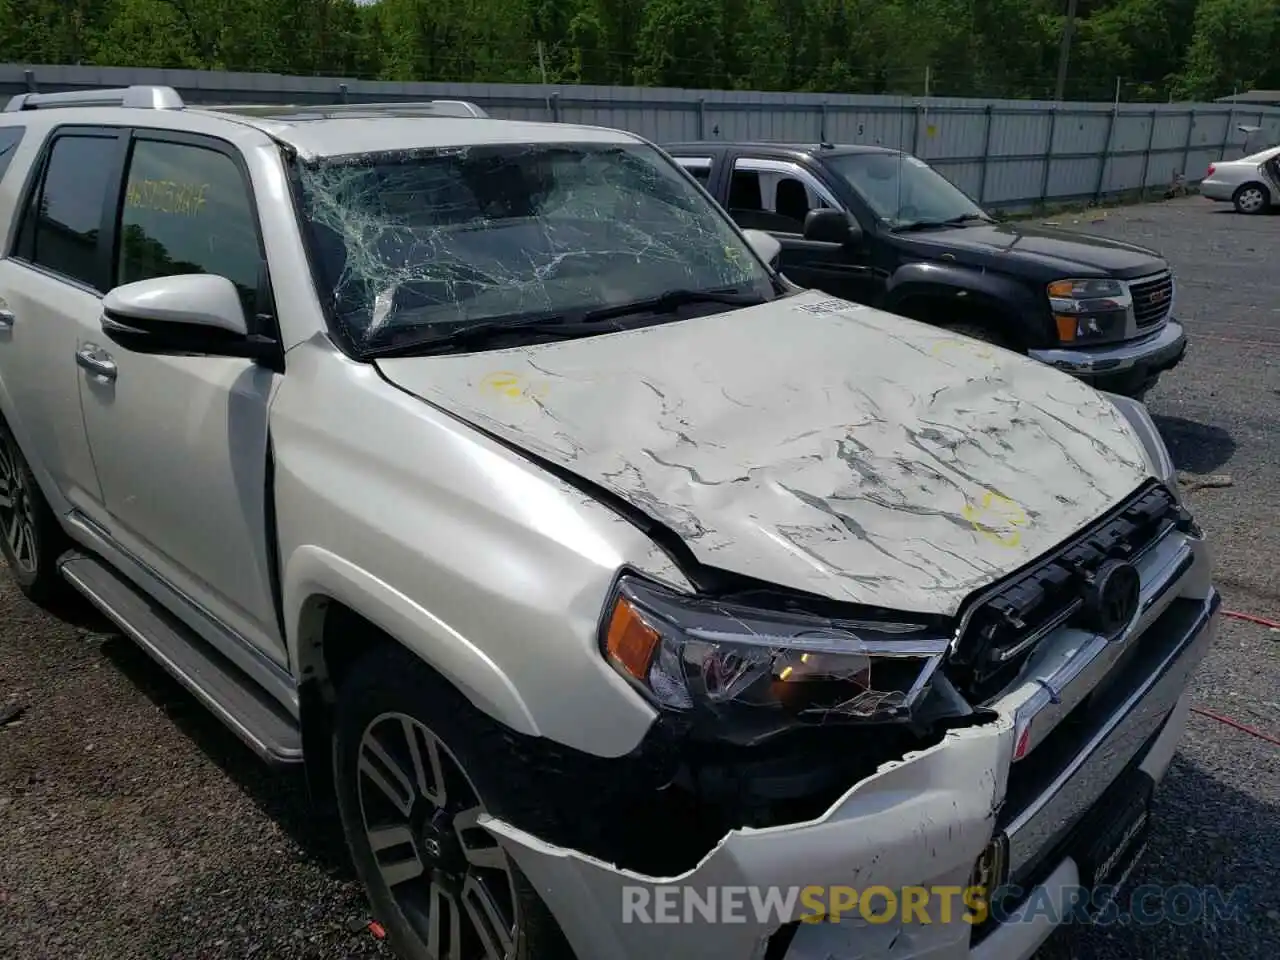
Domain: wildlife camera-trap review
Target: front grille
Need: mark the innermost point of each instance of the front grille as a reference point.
(1152, 300)
(1001, 627)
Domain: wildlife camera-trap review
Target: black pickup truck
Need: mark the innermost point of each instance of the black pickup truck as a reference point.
(882, 227)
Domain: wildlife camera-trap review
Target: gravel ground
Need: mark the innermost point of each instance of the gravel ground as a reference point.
(133, 825)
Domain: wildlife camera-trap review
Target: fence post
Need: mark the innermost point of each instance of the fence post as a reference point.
(822, 122)
(915, 130)
(1106, 153)
(30, 77)
(986, 157)
(1146, 154)
(1226, 135)
(702, 118)
(342, 93)
(1048, 153)
(1186, 147)
(553, 102)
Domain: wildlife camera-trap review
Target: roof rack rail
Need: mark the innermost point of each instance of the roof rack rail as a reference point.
(317, 111)
(144, 97)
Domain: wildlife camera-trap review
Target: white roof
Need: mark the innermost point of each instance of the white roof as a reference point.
(345, 136)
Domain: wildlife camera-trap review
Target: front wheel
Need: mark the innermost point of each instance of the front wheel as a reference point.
(1252, 198)
(413, 778)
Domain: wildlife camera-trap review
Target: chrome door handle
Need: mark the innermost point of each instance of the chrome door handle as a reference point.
(96, 361)
(6, 319)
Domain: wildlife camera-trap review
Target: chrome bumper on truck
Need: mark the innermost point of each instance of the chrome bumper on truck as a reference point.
(1089, 721)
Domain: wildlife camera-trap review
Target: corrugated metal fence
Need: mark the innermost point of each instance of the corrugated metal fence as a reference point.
(1009, 154)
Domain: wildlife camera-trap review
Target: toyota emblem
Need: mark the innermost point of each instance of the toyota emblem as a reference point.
(1113, 598)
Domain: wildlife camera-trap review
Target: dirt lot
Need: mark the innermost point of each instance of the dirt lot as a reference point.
(132, 825)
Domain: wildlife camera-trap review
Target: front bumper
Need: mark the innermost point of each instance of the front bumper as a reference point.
(922, 821)
(1123, 368)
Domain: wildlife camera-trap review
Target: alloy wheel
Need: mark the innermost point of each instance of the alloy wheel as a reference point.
(446, 874)
(1251, 200)
(17, 507)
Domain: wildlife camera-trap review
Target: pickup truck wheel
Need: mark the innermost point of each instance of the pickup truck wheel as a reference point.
(1252, 198)
(413, 777)
(30, 538)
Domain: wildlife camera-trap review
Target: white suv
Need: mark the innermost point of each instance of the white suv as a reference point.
(490, 472)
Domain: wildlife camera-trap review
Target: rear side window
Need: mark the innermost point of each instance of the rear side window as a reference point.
(10, 137)
(187, 210)
(698, 167)
(61, 225)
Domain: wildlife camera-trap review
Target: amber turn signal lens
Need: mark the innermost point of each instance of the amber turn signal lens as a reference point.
(1066, 327)
(631, 642)
(1062, 288)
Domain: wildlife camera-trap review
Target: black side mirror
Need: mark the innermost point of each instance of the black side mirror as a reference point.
(831, 226)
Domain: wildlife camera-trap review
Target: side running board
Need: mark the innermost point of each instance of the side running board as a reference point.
(227, 691)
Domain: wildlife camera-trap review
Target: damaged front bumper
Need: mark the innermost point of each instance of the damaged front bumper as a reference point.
(1086, 714)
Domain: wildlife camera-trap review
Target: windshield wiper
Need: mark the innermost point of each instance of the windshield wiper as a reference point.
(935, 224)
(478, 334)
(557, 326)
(670, 302)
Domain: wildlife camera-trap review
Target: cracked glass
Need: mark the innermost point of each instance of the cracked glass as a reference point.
(413, 244)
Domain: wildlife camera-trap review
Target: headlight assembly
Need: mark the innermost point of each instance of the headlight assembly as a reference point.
(1089, 310)
(755, 672)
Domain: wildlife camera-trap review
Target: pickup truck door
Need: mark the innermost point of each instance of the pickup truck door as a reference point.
(180, 442)
(51, 286)
(775, 195)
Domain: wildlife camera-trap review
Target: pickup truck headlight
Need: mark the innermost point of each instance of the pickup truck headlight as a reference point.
(753, 673)
(1089, 310)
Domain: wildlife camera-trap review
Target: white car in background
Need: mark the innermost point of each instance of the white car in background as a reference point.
(1252, 183)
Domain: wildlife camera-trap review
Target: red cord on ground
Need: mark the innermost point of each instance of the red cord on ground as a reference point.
(375, 928)
(1237, 725)
(1250, 618)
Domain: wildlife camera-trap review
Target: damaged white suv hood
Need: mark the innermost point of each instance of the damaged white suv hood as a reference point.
(813, 443)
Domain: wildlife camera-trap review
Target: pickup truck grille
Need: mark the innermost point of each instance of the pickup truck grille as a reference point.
(1001, 627)
(1152, 300)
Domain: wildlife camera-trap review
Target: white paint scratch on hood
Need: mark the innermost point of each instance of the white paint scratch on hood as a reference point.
(813, 443)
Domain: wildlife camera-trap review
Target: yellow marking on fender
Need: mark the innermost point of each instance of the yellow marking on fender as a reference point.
(511, 385)
(997, 518)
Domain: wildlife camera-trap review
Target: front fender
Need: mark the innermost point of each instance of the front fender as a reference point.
(489, 569)
(314, 576)
(1016, 310)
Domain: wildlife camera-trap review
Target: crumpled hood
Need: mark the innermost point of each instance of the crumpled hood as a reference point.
(813, 443)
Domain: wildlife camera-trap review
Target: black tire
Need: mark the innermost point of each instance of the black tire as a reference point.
(31, 540)
(384, 689)
(1251, 199)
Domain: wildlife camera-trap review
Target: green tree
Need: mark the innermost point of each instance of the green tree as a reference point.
(1233, 45)
(1194, 48)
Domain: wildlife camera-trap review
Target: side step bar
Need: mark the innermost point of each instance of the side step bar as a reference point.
(221, 686)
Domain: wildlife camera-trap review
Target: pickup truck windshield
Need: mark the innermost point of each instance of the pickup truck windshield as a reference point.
(429, 242)
(903, 190)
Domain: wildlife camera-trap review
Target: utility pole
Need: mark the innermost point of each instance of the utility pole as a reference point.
(1064, 53)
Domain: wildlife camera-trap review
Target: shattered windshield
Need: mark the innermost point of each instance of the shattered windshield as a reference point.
(902, 189)
(416, 244)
